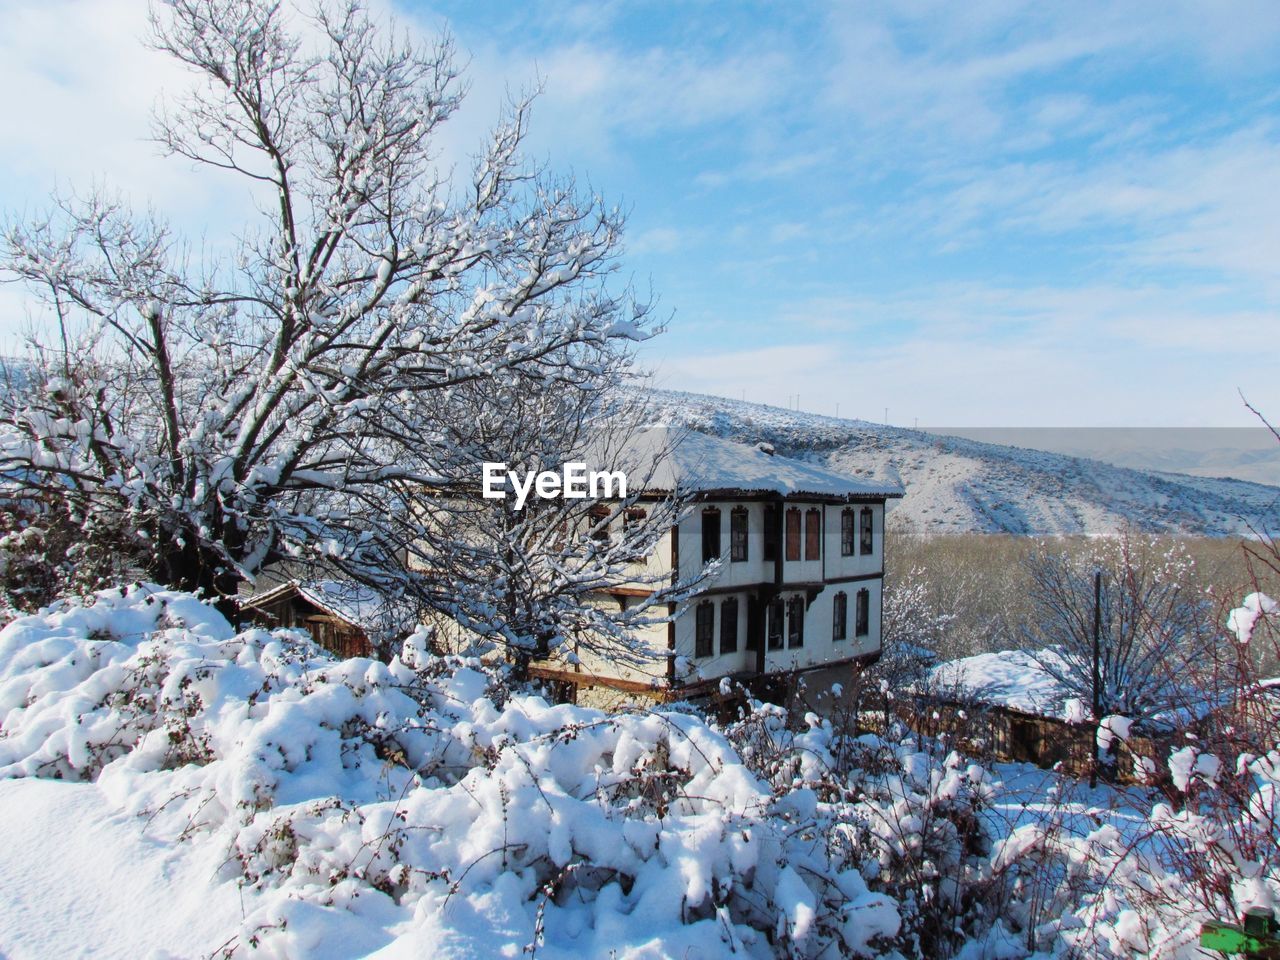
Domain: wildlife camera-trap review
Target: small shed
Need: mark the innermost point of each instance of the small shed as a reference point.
(341, 616)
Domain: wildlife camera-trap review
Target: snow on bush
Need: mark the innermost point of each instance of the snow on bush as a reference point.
(354, 795)
(426, 806)
(1244, 618)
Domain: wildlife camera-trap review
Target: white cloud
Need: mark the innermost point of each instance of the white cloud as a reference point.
(81, 89)
(988, 356)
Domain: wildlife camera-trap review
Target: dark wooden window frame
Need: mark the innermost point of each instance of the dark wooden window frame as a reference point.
(729, 625)
(848, 532)
(795, 623)
(600, 517)
(813, 534)
(739, 525)
(866, 533)
(793, 533)
(840, 616)
(777, 615)
(862, 614)
(771, 531)
(704, 630)
(710, 534)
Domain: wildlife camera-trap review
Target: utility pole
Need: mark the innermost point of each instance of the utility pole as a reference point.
(1097, 671)
(886, 416)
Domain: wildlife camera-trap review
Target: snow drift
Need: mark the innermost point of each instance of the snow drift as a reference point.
(367, 805)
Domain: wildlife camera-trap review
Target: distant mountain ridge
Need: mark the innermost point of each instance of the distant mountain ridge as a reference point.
(956, 485)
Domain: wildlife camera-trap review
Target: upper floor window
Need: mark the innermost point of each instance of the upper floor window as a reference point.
(865, 535)
(777, 614)
(813, 534)
(631, 517)
(738, 534)
(771, 531)
(862, 616)
(795, 622)
(848, 531)
(793, 534)
(840, 616)
(729, 625)
(599, 516)
(704, 629)
(710, 534)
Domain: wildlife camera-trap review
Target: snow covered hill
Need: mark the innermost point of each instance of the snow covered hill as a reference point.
(954, 485)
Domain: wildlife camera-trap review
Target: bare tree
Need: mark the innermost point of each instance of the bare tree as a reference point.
(288, 399)
(1152, 621)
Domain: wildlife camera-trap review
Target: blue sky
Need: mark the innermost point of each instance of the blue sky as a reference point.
(980, 213)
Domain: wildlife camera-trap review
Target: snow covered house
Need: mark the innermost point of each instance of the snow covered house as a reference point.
(800, 551)
(344, 617)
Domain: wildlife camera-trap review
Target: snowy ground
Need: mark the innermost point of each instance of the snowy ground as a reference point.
(80, 880)
(172, 788)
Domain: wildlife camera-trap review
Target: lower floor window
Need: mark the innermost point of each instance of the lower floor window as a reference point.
(862, 619)
(729, 625)
(704, 630)
(840, 616)
(795, 622)
(776, 616)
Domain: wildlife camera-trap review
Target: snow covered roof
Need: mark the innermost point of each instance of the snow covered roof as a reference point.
(355, 603)
(1011, 678)
(693, 461)
(1017, 680)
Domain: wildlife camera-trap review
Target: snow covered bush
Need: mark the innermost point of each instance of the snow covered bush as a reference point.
(46, 553)
(354, 795)
(906, 815)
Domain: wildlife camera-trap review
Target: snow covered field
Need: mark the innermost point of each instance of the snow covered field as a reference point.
(172, 788)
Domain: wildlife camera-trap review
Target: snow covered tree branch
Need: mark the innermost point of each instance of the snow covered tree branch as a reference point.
(279, 394)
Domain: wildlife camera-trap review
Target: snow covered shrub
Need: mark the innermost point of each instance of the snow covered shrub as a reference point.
(45, 553)
(923, 841)
(355, 795)
(905, 817)
(1209, 851)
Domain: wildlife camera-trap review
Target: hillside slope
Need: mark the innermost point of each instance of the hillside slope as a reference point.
(955, 485)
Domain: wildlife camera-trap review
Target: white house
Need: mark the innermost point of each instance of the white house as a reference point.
(798, 587)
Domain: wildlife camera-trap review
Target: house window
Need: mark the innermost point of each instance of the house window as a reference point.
(599, 524)
(840, 616)
(848, 524)
(793, 534)
(710, 534)
(729, 625)
(862, 616)
(738, 534)
(795, 622)
(771, 531)
(813, 534)
(776, 616)
(631, 518)
(704, 630)
(865, 537)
